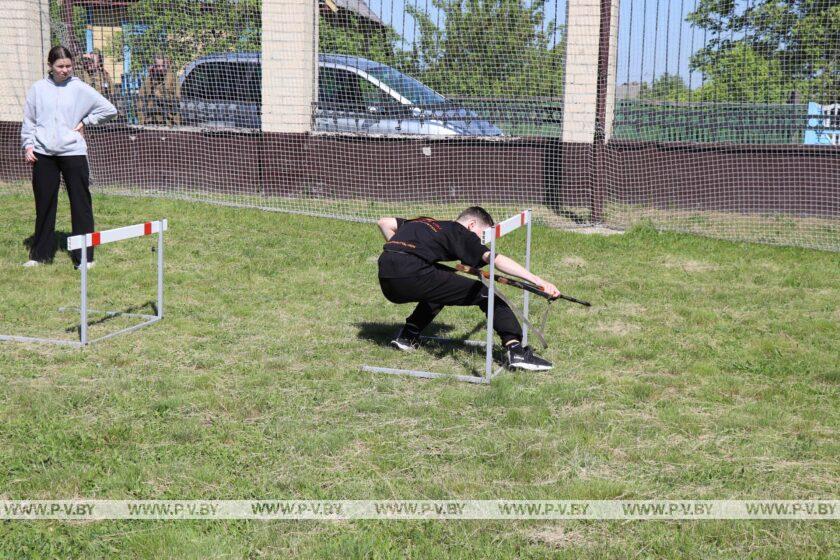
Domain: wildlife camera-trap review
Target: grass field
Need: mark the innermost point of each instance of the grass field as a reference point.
(705, 370)
(784, 229)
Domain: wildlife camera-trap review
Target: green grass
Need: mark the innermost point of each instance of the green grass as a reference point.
(704, 370)
(767, 228)
(770, 229)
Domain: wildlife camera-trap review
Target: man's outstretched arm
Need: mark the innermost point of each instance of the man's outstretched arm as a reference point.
(388, 227)
(510, 266)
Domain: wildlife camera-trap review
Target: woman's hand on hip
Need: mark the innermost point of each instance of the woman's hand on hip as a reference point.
(80, 128)
(30, 155)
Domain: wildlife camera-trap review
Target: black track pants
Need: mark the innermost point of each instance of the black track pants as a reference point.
(46, 177)
(440, 288)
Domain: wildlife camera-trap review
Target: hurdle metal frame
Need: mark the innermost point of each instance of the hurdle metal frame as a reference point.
(489, 235)
(80, 242)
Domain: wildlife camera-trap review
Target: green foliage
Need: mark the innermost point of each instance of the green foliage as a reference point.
(741, 74)
(789, 45)
(353, 35)
(667, 87)
(490, 48)
(193, 29)
(59, 28)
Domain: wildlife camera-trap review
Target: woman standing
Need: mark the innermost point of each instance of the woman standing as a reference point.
(56, 112)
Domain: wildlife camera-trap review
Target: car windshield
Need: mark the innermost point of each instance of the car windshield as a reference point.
(406, 86)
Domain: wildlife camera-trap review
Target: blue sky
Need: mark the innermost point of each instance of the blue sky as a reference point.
(393, 13)
(654, 38)
(653, 35)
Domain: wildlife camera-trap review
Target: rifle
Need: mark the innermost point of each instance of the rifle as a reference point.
(521, 284)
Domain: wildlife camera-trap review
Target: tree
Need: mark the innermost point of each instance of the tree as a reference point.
(490, 48)
(351, 34)
(201, 27)
(740, 74)
(799, 38)
(667, 87)
(67, 31)
(187, 30)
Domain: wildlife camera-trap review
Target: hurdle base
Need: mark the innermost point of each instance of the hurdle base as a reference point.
(478, 380)
(473, 343)
(110, 313)
(149, 320)
(32, 339)
(153, 319)
(479, 343)
(427, 374)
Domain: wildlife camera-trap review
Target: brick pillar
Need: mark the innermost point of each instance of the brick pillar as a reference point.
(580, 91)
(24, 44)
(611, 65)
(289, 64)
(588, 101)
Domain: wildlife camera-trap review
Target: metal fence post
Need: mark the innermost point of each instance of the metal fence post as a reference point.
(160, 270)
(491, 294)
(83, 308)
(528, 268)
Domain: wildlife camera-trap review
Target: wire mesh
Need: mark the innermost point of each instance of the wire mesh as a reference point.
(718, 118)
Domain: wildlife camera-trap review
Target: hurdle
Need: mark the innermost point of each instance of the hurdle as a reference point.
(82, 242)
(489, 236)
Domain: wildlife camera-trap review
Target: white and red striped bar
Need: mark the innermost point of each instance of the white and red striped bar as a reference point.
(118, 234)
(503, 228)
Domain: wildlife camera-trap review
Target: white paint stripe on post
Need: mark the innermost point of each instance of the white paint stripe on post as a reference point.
(109, 236)
(505, 227)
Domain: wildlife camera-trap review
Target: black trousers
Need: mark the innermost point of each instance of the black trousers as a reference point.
(439, 288)
(46, 178)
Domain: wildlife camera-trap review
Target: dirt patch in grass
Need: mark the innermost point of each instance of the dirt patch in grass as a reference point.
(618, 328)
(630, 309)
(689, 265)
(558, 537)
(573, 262)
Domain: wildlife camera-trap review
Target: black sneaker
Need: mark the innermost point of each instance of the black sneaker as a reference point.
(406, 341)
(524, 358)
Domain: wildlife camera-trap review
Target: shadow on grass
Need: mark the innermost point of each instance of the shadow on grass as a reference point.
(59, 243)
(470, 358)
(109, 315)
(578, 219)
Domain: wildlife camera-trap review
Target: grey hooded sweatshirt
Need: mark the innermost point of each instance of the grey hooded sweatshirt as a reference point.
(53, 110)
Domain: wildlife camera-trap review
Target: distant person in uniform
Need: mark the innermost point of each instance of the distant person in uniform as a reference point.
(57, 110)
(157, 100)
(94, 74)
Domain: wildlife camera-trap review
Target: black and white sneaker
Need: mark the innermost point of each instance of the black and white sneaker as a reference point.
(406, 341)
(524, 358)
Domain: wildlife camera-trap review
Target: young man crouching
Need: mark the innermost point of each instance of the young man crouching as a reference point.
(408, 272)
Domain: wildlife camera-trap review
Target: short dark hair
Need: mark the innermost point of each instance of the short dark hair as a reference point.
(476, 213)
(59, 52)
